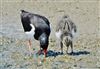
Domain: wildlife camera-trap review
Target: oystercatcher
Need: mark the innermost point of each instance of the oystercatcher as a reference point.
(36, 26)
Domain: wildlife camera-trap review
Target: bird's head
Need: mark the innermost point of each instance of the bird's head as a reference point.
(44, 42)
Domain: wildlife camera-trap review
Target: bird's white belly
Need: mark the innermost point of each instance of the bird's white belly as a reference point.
(31, 33)
(73, 33)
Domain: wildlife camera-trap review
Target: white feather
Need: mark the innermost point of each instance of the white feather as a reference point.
(73, 33)
(31, 33)
(58, 34)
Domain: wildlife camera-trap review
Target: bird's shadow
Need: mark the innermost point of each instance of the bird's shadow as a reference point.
(79, 53)
(52, 53)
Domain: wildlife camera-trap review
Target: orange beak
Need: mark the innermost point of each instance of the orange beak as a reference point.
(45, 52)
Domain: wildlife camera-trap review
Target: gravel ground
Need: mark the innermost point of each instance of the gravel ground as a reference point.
(14, 55)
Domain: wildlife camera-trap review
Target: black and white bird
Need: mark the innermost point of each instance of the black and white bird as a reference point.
(37, 27)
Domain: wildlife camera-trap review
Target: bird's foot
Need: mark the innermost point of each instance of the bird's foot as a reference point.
(72, 53)
(40, 52)
(31, 53)
(44, 60)
(61, 53)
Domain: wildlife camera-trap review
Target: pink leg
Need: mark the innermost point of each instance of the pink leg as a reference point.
(45, 54)
(30, 47)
